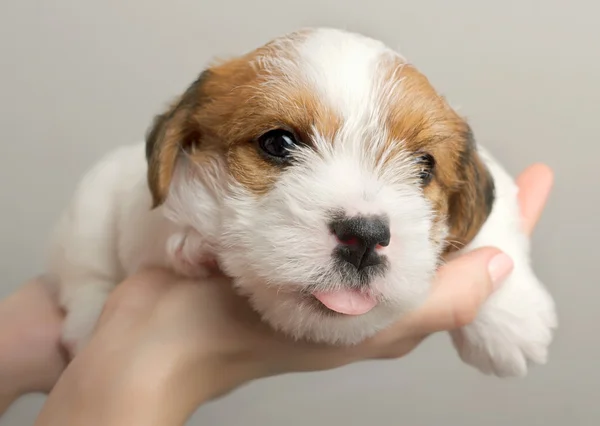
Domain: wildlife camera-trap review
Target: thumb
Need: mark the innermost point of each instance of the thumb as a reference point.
(460, 288)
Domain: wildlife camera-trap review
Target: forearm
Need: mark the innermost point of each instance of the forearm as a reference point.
(71, 405)
(30, 356)
(9, 391)
(6, 401)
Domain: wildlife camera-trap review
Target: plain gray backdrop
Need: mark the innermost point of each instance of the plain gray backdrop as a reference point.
(78, 78)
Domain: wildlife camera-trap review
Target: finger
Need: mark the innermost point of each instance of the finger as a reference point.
(535, 184)
(460, 288)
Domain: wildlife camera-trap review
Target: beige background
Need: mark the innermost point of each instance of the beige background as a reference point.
(80, 77)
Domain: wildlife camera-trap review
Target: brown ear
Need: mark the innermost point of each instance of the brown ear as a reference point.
(172, 133)
(472, 201)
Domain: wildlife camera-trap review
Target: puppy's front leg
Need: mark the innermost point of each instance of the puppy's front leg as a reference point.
(515, 326)
(189, 255)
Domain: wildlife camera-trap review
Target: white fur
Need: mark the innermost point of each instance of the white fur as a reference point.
(341, 67)
(277, 245)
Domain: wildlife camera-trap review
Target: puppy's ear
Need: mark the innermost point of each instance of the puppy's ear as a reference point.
(172, 133)
(472, 201)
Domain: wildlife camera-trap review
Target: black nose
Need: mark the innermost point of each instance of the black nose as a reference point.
(359, 238)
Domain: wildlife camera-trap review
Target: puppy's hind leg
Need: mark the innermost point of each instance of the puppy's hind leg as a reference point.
(83, 303)
(83, 257)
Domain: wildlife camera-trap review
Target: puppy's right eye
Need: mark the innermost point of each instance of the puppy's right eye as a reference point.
(277, 144)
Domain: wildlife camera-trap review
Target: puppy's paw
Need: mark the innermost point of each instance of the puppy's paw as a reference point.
(513, 330)
(188, 255)
(83, 306)
(190, 269)
(79, 326)
(75, 335)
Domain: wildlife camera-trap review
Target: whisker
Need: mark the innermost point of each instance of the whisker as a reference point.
(456, 244)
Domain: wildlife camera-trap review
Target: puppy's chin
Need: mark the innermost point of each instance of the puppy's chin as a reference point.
(301, 316)
(297, 313)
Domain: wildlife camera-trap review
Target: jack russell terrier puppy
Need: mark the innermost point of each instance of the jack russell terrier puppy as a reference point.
(324, 175)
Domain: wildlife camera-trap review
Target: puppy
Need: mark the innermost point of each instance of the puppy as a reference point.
(325, 175)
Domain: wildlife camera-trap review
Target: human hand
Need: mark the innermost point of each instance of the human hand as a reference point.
(166, 344)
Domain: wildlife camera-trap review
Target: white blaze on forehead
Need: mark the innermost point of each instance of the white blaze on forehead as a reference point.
(344, 69)
(353, 76)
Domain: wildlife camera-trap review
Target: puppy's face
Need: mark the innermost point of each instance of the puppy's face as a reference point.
(336, 178)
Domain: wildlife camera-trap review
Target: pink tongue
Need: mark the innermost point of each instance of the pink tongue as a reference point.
(349, 302)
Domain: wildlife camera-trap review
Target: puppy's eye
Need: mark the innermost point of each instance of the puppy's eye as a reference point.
(277, 144)
(425, 164)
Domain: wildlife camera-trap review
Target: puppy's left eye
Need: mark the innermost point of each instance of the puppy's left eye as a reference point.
(277, 144)
(426, 165)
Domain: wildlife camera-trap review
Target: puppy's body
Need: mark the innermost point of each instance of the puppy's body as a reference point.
(326, 177)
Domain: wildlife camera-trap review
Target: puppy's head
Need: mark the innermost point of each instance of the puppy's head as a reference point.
(329, 175)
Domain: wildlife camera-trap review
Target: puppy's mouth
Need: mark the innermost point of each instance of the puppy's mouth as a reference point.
(346, 301)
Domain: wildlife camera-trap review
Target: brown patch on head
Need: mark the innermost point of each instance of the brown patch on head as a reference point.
(471, 203)
(171, 133)
(462, 189)
(224, 112)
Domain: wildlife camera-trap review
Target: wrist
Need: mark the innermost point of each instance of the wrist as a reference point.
(188, 386)
(90, 396)
(151, 391)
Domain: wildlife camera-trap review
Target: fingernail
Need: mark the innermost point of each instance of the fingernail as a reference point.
(499, 267)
